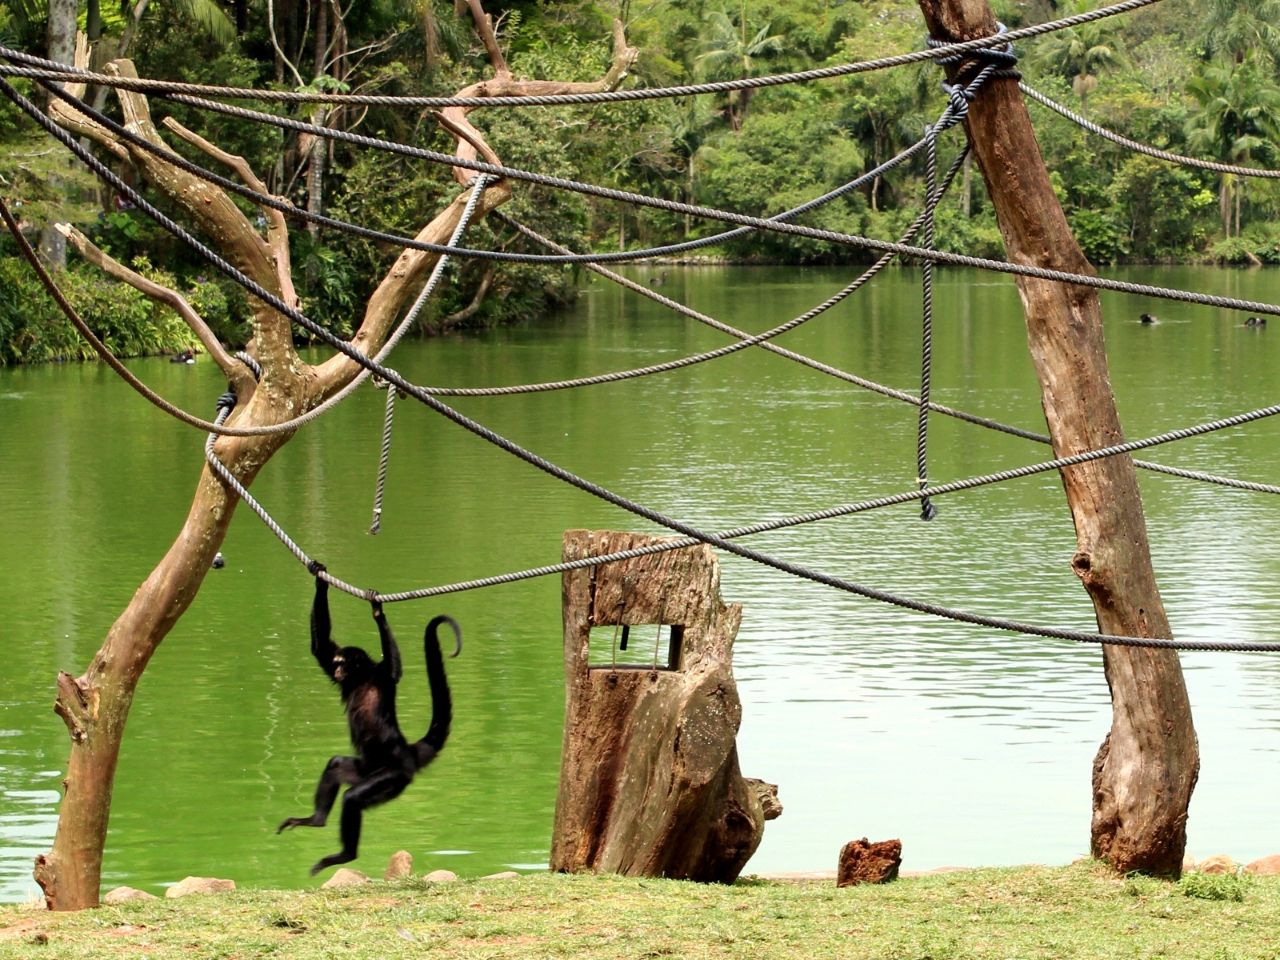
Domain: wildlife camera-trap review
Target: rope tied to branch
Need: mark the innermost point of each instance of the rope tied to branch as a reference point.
(994, 61)
(1001, 57)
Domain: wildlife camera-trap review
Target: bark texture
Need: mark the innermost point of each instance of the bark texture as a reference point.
(649, 778)
(60, 45)
(95, 705)
(1146, 768)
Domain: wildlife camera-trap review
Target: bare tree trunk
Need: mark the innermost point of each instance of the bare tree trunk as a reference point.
(1224, 205)
(319, 146)
(60, 37)
(1239, 191)
(96, 705)
(1147, 766)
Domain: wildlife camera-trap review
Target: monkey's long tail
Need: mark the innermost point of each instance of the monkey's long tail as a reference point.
(441, 701)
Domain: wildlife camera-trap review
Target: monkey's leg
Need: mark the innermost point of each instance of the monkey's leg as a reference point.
(377, 788)
(338, 771)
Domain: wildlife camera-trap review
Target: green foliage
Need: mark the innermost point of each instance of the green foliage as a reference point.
(328, 285)
(1166, 208)
(1199, 80)
(34, 330)
(977, 235)
(223, 306)
(1081, 54)
(776, 163)
(1099, 234)
(1230, 887)
(1259, 243)
(39, 181)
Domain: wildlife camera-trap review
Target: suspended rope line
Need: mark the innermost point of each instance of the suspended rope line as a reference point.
(249, 362)
(697, 210)
(721, 540)
(1138, 147)
(410, 318)
(814, 364)
(675, 206)
(50, 70)
(678, 543)
(743, 341)
(959, 96)
(297, 213)
(927, 509)
(384, 458)
(104, 352)
(616, 499)
(587, 485)
(862, 382)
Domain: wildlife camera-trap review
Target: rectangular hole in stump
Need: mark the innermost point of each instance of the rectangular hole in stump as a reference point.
(642, 640)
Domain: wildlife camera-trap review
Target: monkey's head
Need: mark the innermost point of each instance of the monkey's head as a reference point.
(352, 667)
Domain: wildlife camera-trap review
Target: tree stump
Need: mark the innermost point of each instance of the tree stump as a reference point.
(649, 778)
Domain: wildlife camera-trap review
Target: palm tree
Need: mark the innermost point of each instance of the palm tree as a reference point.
(729, 53)
(1232, 28)
(1239, 117)
(1081, 53)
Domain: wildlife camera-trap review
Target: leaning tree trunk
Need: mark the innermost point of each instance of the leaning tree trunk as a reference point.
(96, 704)
(1146, 768)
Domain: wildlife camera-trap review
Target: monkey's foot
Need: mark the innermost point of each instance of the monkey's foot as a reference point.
(332, 861)
(311, 821)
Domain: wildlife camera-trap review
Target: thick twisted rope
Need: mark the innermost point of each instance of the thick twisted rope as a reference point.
(401, 240)
(927, 509)
(1138, 147)
(535, 460)
(39, 68)
(384, 459)
(844, 375)
(182, 416)
(102, 350)
(646, 512)
(774, 225)
(674, 206)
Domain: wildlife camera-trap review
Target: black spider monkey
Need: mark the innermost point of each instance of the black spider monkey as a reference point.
(385, 762)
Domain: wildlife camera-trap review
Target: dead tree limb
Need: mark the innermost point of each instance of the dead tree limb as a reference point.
(233, 368)
(477, 301)
(96, 704)
(277, 227)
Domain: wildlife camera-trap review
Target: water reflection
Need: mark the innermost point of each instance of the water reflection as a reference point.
(973, 746)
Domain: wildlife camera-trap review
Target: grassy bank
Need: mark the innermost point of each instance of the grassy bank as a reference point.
(1028, 912)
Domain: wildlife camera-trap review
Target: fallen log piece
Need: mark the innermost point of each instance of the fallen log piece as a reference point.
(865, 862)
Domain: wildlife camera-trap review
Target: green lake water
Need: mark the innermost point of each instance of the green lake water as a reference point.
(972, 746)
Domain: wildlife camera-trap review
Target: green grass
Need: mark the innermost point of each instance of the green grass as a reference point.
(1028, 912)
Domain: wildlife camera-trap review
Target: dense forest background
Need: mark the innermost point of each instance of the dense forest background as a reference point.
(1200, 77)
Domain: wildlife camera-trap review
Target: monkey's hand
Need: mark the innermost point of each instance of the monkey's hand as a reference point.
(315, 568)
